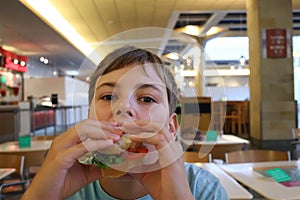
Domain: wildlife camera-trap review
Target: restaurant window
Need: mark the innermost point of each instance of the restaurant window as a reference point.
(228, 55)
(296, 56)
(227, 49)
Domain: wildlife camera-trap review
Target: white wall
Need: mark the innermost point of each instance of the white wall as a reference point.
(228, 88)
(38, 87)
(70, 91)
(228, 93)
(76, 92)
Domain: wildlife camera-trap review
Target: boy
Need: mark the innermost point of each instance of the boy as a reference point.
(130, 92)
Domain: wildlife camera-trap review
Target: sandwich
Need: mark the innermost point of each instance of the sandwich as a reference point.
(112, 160)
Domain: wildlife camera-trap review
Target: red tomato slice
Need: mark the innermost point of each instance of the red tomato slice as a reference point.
(134, 153)
(138, 150)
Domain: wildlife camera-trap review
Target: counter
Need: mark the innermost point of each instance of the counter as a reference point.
(10, 122)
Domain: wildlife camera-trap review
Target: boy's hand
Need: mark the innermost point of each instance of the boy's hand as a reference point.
(167, 178)
(61, 175)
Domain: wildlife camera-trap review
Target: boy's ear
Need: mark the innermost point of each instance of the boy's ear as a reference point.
(173, 124)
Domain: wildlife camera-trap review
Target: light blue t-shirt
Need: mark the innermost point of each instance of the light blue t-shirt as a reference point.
(203, 185)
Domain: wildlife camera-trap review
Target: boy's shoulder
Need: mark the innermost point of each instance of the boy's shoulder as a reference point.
(194, 172)
(203, 184)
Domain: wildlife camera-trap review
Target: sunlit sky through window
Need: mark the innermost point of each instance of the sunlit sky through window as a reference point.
(227, 48)
(232, 48)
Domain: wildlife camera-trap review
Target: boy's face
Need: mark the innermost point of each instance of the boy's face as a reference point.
(131, 93)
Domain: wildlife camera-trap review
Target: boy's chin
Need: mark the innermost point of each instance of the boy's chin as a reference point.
(126, 177)
(112, 173)
(117, 175)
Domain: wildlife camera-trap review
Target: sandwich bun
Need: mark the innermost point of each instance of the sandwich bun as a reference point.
(127, 153)
(112, 173)
(123, 144)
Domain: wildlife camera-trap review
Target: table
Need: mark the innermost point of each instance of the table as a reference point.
(34, 155)
(6, 172)
(225, 143)
(247, 174)
(232, 187)
(13, 146)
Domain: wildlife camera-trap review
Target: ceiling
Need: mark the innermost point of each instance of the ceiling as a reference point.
(24, 33)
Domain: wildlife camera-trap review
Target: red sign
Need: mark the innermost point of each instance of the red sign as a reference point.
(276, 43)
(10, 63)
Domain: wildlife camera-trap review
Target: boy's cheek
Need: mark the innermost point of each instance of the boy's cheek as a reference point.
(92, 113)
(97, 113)
(158, 113)
(100, 113)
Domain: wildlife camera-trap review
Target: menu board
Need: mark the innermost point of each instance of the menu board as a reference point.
(276, 43)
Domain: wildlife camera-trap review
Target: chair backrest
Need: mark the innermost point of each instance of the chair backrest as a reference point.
(194, 156)
(296, 133)
(13, 161)
(44, 137)
(256, 156)
(191, 108)
(245, 111)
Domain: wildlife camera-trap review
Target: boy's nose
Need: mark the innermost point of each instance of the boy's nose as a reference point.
(120, 112)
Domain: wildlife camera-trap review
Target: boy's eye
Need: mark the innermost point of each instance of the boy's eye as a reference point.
(108, 97)
(147, 100)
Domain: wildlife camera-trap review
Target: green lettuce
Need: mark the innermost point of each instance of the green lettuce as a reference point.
(106, 160)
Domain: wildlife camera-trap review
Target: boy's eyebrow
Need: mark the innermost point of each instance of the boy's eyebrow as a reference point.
(140, 86)
(109, 84)
(145, 86)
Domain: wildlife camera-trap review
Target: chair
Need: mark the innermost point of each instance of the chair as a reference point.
(296, 133)
(218, 150)
(34, 162)
(15, 183)
(218, 115)
(245, 117)
(191, 115)
(295, 143)
(44, 137)
(193, 157)
(256, 156)
(238, 115)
